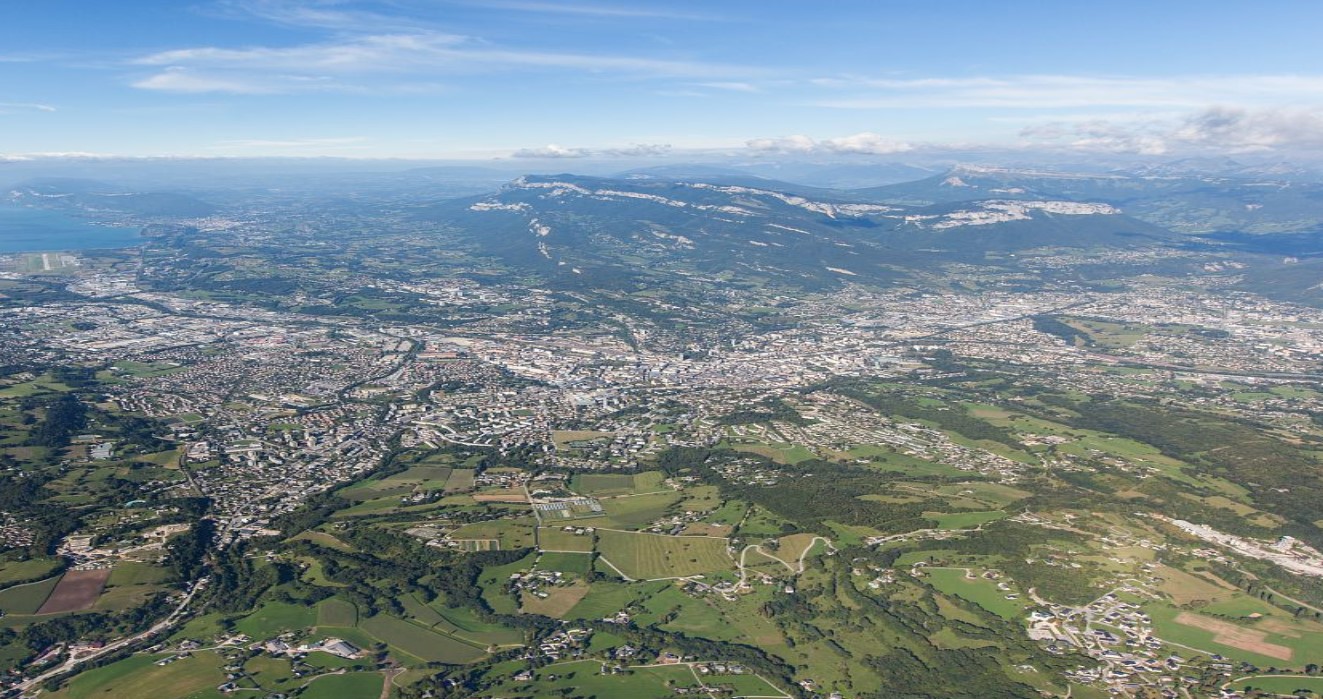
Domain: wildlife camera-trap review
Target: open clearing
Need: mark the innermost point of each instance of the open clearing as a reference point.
(139, 676)
(558, 602)
(352, 684)
(77, 590)
(609, 484)
(980, 591)
(420, 642)
(26, 599)
(1185, 588)
(1229, 634)
(556, 539)
(334, 611)
(650, 556)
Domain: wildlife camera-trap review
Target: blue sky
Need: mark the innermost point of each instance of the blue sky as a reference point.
(551, 79)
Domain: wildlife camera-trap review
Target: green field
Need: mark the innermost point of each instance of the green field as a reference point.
(578, 563)
(511, 533)
(609, 484)
(26, 599)
(463, 623)
(334, 611)
(554, 539)
(414, 479)
(274, 618)
(650, 556)
(31, 569)
(963, 520)
(636, 511)
(139, 676)
(420, 642)
(780, 452)
(583, 679)
(1285, 686)
(984, 593)
(1304, 639)
(461, 479)
(126, 573)
(351, 685)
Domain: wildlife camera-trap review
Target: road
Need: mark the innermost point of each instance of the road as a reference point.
(26, 687)
(71, 664)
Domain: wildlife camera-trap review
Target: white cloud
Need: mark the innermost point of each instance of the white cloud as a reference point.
(11, 107)
(1215, 129)
(865, 143)
(551, 150)
(347, 63)
(1070, 91)
(294, 143)
(612, 11)
(785, 144)
(178, 79)
(731, 86)
(640, 150)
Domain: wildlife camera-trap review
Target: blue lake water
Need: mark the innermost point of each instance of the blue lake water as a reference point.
(33, 230)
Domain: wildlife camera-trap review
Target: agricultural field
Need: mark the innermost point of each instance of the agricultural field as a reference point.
(129, 573)
(416, 479)
(652, 556)
(1289, 686)
(558, 602)
(26, 598)
(610, 484)
(353, 684)
(980, 591)
(509, 533)
(274, 618)
(635, 511)
(23, 571)
(337, 612)
(139, 676)
(557, 539)
(577, 563)
(963, 520)
(420, 642)
(1271, 641)
(779, 452)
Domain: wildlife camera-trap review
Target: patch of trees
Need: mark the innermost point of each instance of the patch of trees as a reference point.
(186, 551)
(766, 411)
(65, 416)
(237, 585)
(953, 418)
(1051, 325)
(1282, 478)
(814, 493)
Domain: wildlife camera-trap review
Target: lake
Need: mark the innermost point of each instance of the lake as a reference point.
(33, 230)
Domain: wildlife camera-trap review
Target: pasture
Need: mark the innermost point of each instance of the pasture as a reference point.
(420, 642)
(334, 611)
(652, 556)
(140, 676)
(556, 539)
(350, 684)
(558, 602)
(26, 599)
(963, 520)
(610, 484)
(980, 591)
(1270, 641)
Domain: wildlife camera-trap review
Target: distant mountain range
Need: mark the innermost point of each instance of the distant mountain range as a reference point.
(92, 196)
(623, 228)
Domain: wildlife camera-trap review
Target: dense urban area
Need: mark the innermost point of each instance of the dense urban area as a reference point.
(652, 438)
